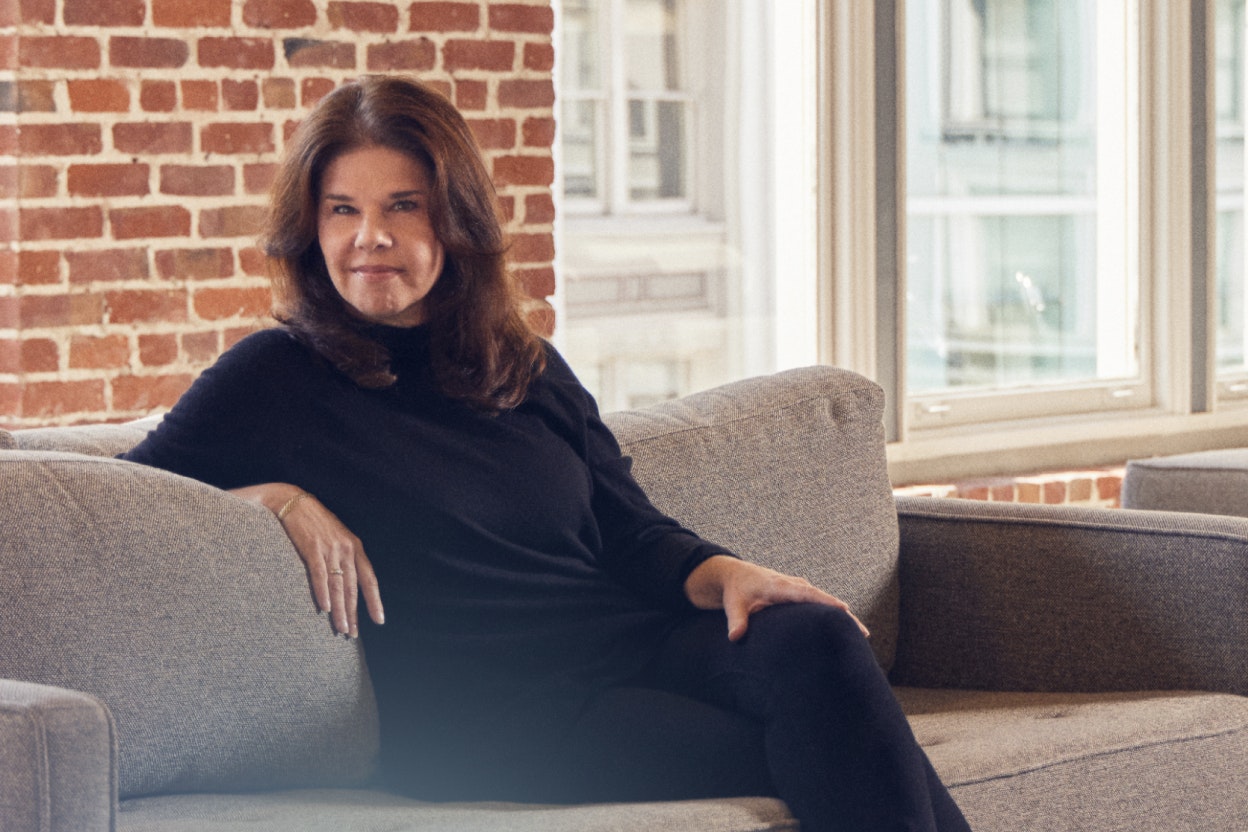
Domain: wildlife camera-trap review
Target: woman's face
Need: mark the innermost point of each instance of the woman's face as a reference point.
(374, 231)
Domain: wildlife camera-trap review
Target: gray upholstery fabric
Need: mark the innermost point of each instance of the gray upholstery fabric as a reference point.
(57, 764)
(364, 811)
(787, 470)
(188, 613)
(7, 441)
(93, 440)
(1212, 482)
(1012, 597)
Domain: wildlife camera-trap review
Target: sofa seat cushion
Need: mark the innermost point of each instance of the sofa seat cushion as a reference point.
(187, 612)
(1089, 761)
(789, 471)
(372, 811)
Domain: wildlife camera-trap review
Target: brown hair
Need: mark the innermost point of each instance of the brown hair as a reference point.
(481, 350)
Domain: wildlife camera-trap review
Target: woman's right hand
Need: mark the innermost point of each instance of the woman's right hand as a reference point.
(338, 569)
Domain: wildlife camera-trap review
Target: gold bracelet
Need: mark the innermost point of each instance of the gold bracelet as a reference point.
(290, 504)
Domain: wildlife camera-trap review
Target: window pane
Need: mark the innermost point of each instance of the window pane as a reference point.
(1017, 269)
(580, 149)
(580, 52)
(688, 280)
(1232, 334)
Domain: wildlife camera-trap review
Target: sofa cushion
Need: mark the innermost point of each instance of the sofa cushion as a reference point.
(1207, 482)
(94, 440)
(186, 611)
(1093, 761)
(787, 470)
(7, 441)
(369, 811)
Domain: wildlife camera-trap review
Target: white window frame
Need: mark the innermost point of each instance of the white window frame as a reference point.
(1175, 407)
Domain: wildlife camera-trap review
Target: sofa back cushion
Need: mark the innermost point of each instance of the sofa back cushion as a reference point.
(186, 611)
(94, 440)
(787, 470)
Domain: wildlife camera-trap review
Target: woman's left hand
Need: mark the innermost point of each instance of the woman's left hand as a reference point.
(742, 588)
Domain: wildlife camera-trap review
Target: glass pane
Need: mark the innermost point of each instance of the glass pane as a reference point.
(580, 52)
(1232, 313)
(656, 150)
(650, 44)
(680, 286)
(1012, 220)
(580, 149)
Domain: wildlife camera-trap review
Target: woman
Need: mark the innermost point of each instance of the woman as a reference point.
(548, 634)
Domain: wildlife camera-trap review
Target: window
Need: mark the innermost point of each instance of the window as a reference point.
(688, 223)
(1024, 218)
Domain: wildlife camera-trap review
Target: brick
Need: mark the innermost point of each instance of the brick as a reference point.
(9, 224)
(158, 350)
(60, 140)
(155, 221)
(303, 53)
(191, 14)
(8, 267)
(419, 54)
(197, 180)
(64, 223)
(235, 221)
(137, 305)
(143, 393)
(1079, 490)
(526, 93)
(539, 209)
(312, 90)
(37, 11)
(150, 138)
(200, 95)
(1027, 492)
(240, 95)
(99, 352)
(507, 208)
(236, 53)
(532, 248)
(1002, 493)
(40, 355)
(218, 304)
(258, 178)
(364, 17)
(539, 57)
(10, 312)
(1054, 492)
(8, 140)
(201, 347)
(539, 132)
(107, 266)
(46, 399)
(471, 95)
(37, 311)
(445, 17)
(493, 56)
(1109, 487)
(109, 180)
(232, 138)
(195, 263)
(253, 262)
(10, 403)
(148, 53)
(541, 320)
(278, 93)
(494, 133)
(537, 283)
(279, 14)
(56, 52)
(38, 267)
(103, 12)
(28, 181)
(36, 96)
(514, 17)
(98, 95)
(524, 170)
(158, 96)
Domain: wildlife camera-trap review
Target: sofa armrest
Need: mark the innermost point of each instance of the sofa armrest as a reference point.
(1002, 596)
(58, 760)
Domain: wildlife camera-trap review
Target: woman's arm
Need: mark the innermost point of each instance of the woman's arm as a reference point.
(741, 588)
(338, 569)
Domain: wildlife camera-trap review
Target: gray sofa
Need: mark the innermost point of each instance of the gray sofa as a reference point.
(164, 668)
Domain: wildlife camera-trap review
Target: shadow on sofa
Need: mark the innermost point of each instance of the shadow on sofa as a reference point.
(164, 667)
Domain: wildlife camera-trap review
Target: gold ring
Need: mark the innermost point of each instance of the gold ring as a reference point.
(335, 571)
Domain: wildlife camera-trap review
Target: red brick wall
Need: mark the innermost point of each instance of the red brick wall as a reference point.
(137, 143)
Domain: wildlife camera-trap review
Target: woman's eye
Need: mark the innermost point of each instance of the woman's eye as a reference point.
(406, 205)
(341, 209)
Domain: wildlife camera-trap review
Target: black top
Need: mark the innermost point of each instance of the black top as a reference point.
(519, 562)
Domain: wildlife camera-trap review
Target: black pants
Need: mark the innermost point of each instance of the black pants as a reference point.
(798, 709)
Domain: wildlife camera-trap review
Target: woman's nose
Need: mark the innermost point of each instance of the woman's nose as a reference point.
(373, 234)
